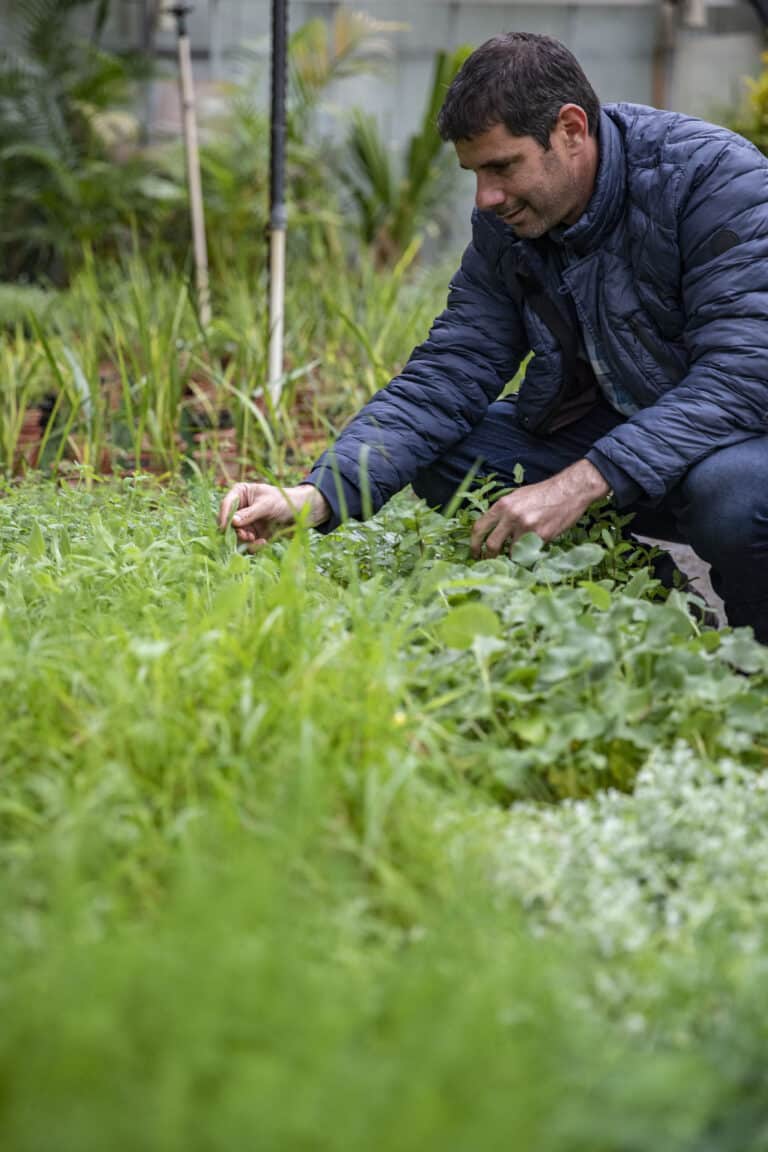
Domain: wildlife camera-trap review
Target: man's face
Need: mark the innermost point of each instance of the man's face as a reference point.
(530, 188)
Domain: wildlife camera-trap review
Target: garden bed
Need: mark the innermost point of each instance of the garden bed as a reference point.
(356, 842)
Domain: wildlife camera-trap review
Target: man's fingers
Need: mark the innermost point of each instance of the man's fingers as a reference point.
(272, 507)
(259, 510)
(498, 538)
(482, 526)
(238, 497)
(228, 505)
(493, 530)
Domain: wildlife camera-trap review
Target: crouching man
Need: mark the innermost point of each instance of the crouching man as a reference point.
(627, 248)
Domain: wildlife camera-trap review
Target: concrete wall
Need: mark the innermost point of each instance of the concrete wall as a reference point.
(613, 39)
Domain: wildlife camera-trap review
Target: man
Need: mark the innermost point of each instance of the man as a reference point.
(628, 249)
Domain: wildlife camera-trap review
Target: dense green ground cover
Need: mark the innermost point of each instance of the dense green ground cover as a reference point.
(357, 843)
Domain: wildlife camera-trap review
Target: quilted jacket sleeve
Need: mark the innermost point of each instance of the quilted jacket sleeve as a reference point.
(474, 347)
(723, 238)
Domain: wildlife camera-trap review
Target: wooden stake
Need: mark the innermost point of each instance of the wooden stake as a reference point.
(193, 164)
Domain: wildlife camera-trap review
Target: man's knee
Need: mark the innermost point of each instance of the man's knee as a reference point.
(725, 499)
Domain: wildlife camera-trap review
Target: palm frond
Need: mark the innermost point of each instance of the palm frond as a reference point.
(394, 197)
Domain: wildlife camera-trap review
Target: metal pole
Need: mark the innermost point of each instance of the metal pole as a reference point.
(277, 212)
(180, 11)
(214, 33)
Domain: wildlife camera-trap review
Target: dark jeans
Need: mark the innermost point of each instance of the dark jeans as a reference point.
(719, 508)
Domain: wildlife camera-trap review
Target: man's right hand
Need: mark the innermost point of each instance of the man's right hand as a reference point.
(262, 508)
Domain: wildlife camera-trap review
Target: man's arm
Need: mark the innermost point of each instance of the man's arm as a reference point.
(473, 349)
(475, 346)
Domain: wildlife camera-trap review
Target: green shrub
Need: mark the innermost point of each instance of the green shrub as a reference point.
(63, 106)
(751, 119)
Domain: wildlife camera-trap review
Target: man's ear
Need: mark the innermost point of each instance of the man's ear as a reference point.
(573, 126)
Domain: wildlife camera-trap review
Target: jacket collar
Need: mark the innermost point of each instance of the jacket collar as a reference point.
(606, 204)
(601, 215)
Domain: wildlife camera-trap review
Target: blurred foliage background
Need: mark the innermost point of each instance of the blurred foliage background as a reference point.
(234, 916)
(75, 175)
(107, 365)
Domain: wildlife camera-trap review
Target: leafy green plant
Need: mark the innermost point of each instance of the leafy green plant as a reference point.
(152, 334)
(395, 200)
(60, 102)
(245, 846)
(751, 118)
(21, 364)
(234, 152)
(323, 52)
(554, 671)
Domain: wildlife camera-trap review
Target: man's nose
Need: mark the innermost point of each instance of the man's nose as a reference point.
(488, 193)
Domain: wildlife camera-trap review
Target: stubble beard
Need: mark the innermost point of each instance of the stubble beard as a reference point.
(537, 228)
(548, 210)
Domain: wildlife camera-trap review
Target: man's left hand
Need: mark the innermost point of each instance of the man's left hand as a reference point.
(547, 509)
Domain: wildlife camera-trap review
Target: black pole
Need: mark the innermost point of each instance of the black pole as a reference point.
(277, 134)
(277, 212)
(180, 11)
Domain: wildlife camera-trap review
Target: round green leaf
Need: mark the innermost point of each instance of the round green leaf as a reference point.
(460, 626)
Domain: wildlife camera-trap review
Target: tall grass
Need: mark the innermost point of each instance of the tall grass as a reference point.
(21, 363)
(123, 361)
(254, 896)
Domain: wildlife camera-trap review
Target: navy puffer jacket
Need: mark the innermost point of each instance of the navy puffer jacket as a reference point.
(667, 270)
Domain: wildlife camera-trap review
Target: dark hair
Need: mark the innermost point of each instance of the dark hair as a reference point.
(520, 80)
